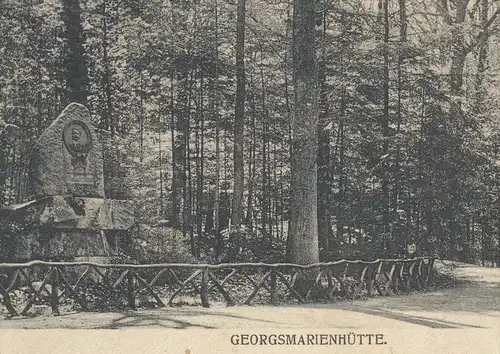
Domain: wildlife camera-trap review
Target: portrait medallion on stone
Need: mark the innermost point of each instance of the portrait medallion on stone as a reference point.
(77, 138)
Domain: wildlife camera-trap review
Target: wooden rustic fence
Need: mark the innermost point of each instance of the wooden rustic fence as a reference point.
(326, 281)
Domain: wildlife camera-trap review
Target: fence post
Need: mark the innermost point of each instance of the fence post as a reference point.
(130, 289)
(370, 280)
(273, 286)
(409, 276)
(396, 276)
(204, 288)
(330, 284)
(54, 294)
(430, 268)
(7, 302)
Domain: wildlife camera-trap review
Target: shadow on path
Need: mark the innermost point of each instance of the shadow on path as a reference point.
(168, 318)
(139, 320)
(419, 320)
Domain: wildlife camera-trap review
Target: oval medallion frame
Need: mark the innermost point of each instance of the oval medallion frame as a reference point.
(77, 137)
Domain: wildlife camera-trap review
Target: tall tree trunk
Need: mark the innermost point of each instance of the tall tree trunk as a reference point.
(341, 169)
(175, 207)
(188, 185)
(482, 60)
(179, 172)
(239, 121)
(141, 102)
(265, 162)
(217, 128)
(396, 242)
(74, 55)
(290, 133)
(106, 77)
(304, 193)
(385, 133)
(456, 117)
(324, 191)
(251, 162)
(420, 173)
(200, 175)
(160, 162)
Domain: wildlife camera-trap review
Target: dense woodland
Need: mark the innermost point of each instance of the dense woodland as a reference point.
(357, 127)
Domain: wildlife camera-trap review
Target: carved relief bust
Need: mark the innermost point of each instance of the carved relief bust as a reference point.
(77, 138)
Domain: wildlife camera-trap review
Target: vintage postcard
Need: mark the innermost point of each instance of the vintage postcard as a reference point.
(249, 176)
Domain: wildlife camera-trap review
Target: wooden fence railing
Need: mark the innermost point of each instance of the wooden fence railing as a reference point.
(234, 283)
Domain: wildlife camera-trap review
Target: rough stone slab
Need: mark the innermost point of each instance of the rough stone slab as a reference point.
(75, 243)
(88, 214)
(67, 159)
(116, 215)
(66, 212)
(58, 211)
(61, 243)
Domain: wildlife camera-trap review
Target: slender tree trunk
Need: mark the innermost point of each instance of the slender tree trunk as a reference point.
(483, 241)
(76, 74)
(187, 185)
(341, 169)
(265, 123)
(467, 247)
(251, 162)
(200, 176)
(420, 177)
(269, 208)
(106, 77)
(217, 127)
(239, 121)
(324, 225)
(290, 133)
(175, 208)
(141, 101)
(482, 60)
(3, 162)
(273, 215)
(160, 162)
(385, 133)
(397, 174)
(282, 193)
(456, 116)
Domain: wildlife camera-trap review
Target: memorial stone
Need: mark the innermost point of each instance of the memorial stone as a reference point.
(70, 217)
(67, 158)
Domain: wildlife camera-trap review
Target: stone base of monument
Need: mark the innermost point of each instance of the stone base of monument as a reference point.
(68, 228)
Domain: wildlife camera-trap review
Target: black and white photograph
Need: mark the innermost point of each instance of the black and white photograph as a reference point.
(249, 176)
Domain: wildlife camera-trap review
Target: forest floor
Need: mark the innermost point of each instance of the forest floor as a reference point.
(473, 303)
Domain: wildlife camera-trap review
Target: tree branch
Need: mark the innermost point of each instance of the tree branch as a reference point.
(442, 6)
(483, 34)
(472, 12)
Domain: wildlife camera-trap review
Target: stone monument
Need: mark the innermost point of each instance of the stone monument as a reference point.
(70, 218)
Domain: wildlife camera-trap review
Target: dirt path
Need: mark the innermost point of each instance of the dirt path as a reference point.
(473, 305)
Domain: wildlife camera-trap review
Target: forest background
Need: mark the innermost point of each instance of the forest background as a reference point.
(408, 134)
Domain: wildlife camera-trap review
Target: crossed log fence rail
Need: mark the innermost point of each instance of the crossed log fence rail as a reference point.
(343, 278)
